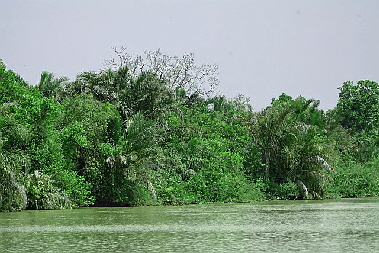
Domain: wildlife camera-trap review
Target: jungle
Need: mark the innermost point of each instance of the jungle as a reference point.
(154, 130)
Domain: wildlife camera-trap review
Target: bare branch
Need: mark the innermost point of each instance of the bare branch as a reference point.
(177, 72)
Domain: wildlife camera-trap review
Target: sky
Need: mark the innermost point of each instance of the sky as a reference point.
(262, 48)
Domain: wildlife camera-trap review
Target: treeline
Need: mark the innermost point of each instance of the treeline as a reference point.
(153, 129)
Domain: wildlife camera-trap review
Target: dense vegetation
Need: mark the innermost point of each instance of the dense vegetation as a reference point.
(153, 130)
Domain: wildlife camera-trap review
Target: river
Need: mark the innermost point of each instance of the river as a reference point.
(343, 225)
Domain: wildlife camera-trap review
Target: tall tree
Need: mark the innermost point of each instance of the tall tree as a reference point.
(358, 105)
(294, 146)
(178, 72)
(25, 129)
(357, 111)
(50, 86)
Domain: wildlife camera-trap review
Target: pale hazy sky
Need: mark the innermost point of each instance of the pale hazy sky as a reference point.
(263, 48)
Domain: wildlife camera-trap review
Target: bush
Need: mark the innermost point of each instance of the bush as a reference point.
(356, 180)
(42, 194)
(287, 190)
(12, 191)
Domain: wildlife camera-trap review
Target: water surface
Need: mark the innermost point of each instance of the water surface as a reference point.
(344, 225)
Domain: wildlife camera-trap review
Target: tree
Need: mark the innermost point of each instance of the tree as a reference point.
(138, 159)
(178, 72)
(358, 105)
(209, 148)
(357, 111)
(2, 64)
(89, 132)
(25, 129)
(12, 190)
(294, 146)
(12, 86)
(50, 86)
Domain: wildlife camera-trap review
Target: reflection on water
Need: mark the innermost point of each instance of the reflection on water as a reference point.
(279, 226)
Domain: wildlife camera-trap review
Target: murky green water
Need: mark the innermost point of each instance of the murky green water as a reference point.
(347, 225)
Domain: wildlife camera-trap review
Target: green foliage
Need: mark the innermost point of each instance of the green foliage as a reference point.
(29, 129)
(91, 129)
(49, 86)
(146, 131)
(208, 148)
(12, 191)
(287, 190)
(43, 194)
(358, 105)
(356, 180)
(149, 95)
(294, 146)
(131, 165)
(12, 87)
(357, 111)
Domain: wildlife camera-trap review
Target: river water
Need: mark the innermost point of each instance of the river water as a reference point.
(344, 225)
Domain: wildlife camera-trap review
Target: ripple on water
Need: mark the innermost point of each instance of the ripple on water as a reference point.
(305, 226)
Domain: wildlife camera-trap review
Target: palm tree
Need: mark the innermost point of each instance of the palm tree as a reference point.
(293, 144)
(51, 86)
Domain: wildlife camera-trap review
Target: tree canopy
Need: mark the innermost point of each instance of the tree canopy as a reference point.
(153, 129)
